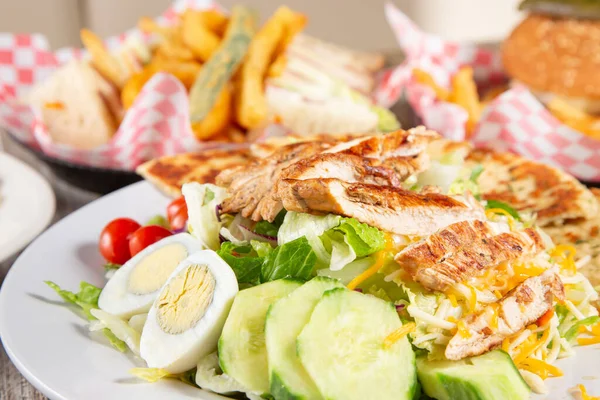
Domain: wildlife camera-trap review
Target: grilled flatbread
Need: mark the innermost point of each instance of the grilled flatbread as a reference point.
(529, 186)
(169, 173)
(584, 235)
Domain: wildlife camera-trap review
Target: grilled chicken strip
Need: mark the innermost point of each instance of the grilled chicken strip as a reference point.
(519, 308)
(399, 143)
(250, 185)
(463, 250)
(389, 208)
(379, 159)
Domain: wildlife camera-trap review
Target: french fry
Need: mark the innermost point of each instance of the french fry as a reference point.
(210, 19)
(295, 25)
(464, 93)
(217, 119)
(493, 92)
(197, 37)
(104, 62)
(565, 111)
(426, 79)
(278, 66)
(250, 103)
(173, 50)
(148, 25)
(186, 72)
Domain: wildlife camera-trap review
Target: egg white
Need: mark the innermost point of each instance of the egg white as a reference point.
(116, 297)
(181, 352)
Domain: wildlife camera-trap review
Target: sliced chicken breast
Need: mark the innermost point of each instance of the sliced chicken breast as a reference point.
(464, 249)
(519, 308)
(389, 208)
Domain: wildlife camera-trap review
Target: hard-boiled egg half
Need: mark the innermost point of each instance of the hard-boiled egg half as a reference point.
(187, 317)
(134, 287)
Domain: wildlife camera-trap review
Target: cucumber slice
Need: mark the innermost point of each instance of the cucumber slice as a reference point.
(285, 321)
(242, 350)
(342, 349)
(492, 376)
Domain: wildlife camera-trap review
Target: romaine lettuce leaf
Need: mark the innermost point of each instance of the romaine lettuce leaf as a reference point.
(87, 300)
(270, 228)
(295, 259)
(574, 330)
(244, 260)
(119, 328)
(202, 201)
(153, 375)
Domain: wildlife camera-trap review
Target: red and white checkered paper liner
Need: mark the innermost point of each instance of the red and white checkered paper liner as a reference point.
(157, 124)
(515, 121)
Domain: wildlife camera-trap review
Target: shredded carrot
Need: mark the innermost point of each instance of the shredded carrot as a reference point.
(545, 319)
(588, 341)
(399, 334)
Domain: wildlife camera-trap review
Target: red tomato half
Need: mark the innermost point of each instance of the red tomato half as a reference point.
(179, 220)
(145, 236)
(176, 207)
(114, 240)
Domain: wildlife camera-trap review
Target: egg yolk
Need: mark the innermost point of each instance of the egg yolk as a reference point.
(152, 271)
(185, 299)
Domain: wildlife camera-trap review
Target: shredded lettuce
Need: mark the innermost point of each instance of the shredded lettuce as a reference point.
(202, 201)
(574, 330)
(119, 328)
(363, 239)
(441, 175)
(87, 300)
(209, 376)
(296, 225)
(153, 375)
(295, 259)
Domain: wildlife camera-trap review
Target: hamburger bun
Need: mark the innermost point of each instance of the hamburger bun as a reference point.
(557, 55)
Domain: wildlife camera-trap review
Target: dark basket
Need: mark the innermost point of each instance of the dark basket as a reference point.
(93, 179)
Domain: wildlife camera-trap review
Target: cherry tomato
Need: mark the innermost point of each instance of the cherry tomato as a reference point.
(176, 207)
(114, 240)
(179, 220)
(145, 236)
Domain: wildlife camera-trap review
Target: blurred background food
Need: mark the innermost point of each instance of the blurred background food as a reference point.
(333, 20)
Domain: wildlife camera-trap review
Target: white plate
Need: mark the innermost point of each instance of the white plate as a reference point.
(26, 205)
(50, 345)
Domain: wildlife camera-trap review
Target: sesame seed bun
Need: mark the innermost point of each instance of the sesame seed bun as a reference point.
(556, 55)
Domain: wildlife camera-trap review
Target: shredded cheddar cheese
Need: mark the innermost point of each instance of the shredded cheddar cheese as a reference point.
(399, 334)
(585, 395)
(493, 211)
(588, 340)
(452, 299)
(54, 105)
(565, 257)
(462, 330)
(531, 346)
(495, 308)
(540, 368)
(506, 344)
(377, 265)
(473, 298)
(497, 294)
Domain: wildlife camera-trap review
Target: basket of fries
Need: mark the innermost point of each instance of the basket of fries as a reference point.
(196, 78)
(463, 91)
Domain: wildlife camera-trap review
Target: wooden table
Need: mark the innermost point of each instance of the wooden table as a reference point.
(13, 385)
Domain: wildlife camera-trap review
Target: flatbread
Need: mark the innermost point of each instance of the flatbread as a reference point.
(555, 196)
(584, 235)
(169, 173)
